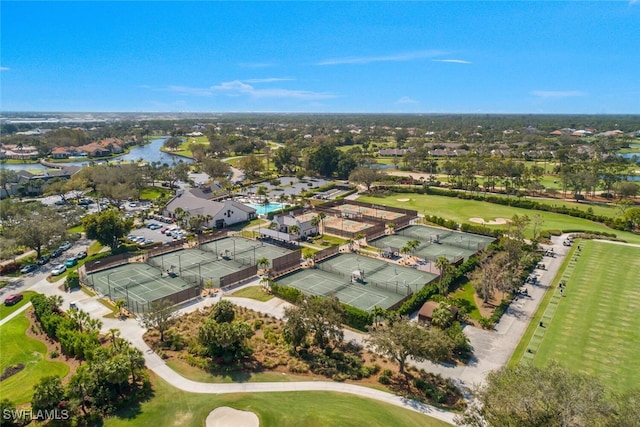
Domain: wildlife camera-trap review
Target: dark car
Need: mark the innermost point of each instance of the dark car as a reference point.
(56, 253)
(28, 268)
(43, 260)
(81, 255)
(13, 299)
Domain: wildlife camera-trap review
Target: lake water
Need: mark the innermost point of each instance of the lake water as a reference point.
(149, 153)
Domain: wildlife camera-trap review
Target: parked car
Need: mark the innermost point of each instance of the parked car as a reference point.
(81, 255)
(164, 230)
(43, 260)
(13, 299)
(58, 269)
(71, 262)
(147, 242)
(28, 268)
(56, 253)
(65, 246)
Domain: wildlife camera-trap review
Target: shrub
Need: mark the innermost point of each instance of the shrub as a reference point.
(357, 318)
(9, 268)
(72, 281)
(384, 380)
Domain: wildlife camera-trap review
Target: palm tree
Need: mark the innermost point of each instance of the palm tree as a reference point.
(119, 305)
(318, 220)
(263, 263)
(413, 245)
(114, 334)
(442, 264)
(294, 229)
(404, 251)
(392, 227)
(378, 313)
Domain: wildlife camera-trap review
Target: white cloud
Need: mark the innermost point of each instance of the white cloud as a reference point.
(400, 57)
(186, 90)
(453, 61)
(242, 87)
(269, 80)
(4, 68)
(557, 93)
(407, 100)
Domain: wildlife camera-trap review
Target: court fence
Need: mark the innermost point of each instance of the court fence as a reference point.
(210, 237)
(285, 263)
(165, 248)
(142, 306)
(104, 263)
(238, 276)
(326, 253)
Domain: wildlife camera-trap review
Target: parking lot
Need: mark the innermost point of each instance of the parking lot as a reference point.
(150, 235)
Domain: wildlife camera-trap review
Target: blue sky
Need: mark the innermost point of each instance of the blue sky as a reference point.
(395, 57)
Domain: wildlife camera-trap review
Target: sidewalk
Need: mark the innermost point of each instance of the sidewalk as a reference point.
(133, 331)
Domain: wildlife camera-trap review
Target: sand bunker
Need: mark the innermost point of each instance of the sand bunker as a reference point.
(497, 221)
(229, 417)
(403, 200)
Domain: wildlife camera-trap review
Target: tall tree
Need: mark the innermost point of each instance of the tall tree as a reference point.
(366, 176)
(400, 339)
(47, 394)
(160, 316)
(527, 395)
(38, 228)
(107, 227)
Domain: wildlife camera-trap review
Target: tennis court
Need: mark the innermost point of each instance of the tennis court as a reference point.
(451, 244)
(345, 224)
(376, 212)
(241, 248)
(136, 283)
(325, 283)
(221, 258)
(381, 273)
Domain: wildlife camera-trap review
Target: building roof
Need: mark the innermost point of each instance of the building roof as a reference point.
(427, 309)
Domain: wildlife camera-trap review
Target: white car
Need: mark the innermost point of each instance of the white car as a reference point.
(58, 269)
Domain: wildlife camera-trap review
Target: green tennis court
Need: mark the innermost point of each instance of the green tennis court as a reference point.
(136, 283)
(378, 272)
(451, 244)
(210, 262)
(325, 283)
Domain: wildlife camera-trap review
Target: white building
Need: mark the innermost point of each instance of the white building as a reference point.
(222, 214)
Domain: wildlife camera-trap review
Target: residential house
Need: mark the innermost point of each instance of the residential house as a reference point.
(18, 152)
(222, 214)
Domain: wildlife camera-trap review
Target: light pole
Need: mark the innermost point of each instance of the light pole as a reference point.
(179, 264)
(109, 284)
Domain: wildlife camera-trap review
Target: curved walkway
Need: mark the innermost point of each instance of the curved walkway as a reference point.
(492, 349)
(133, 331)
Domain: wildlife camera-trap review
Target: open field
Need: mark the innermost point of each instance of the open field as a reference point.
(595, 325)
(172, 407)
(16, 347)
(253, 292)
(461, 210)
(7, 310)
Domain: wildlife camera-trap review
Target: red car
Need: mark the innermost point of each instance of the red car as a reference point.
(13, 299)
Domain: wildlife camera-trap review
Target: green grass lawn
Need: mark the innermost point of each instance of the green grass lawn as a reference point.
(7, 310)
(461, 211)
(154, 193)
(94, 248)
(253, 292)
(596, 323)
(466, 293)
(172, 407)
(196, 374)
(15, 348)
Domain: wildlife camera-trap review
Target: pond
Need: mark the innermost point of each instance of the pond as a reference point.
(149, 153)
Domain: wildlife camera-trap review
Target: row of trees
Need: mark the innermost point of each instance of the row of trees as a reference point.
(113, 375)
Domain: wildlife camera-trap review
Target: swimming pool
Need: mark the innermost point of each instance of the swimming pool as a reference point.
(265, 209)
